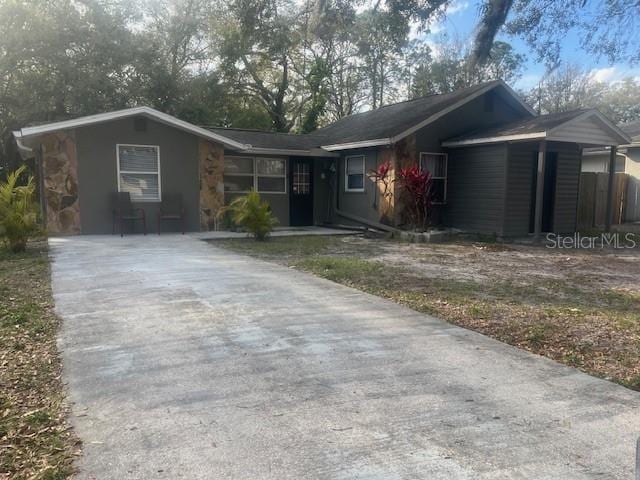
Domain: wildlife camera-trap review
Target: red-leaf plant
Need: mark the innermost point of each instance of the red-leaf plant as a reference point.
(382, 175)
(417, 190)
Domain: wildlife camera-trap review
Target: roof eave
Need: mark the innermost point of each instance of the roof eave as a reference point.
(130, 112)
(522, 137)
(314, 152)
(378, 142)
(461, 103)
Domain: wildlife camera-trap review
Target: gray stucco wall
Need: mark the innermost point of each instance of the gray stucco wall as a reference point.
(279, 202)
(323, 190)
(476, 193)
(359, 203)
(97, 171)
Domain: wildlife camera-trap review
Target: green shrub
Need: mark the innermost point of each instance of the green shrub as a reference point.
(18, 211)
(252, 214)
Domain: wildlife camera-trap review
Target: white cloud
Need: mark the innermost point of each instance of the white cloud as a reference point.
(436, 28)
(457, 7)
(604, 74)
(614, 74)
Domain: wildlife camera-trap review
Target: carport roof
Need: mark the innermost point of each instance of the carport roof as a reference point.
(573, 126)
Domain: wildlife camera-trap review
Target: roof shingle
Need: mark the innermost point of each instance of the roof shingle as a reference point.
(391, 120)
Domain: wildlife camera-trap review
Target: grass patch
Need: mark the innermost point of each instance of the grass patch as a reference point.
(280, 246)
(35, 439)
(349, 270)
(571, 319)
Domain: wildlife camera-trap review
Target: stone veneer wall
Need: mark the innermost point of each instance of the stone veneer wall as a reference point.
(211, 169)
(386, 203)
(60, 175)
(401, 155)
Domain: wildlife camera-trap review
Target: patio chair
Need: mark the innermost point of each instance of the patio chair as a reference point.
(171, 208)
(124, 211)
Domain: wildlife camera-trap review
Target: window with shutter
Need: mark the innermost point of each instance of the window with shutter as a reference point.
(139, 172)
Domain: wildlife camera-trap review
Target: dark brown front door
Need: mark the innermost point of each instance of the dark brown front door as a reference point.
(301, 198)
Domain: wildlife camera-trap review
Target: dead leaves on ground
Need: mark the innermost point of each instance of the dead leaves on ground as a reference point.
(36, 441)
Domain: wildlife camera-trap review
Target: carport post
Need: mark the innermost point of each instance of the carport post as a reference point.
(612, 176)
(542, 150)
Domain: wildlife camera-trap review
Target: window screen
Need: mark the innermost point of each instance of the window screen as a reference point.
(139, 172)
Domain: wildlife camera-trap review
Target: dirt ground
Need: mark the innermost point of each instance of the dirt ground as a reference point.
(579, 307)
(521, 264)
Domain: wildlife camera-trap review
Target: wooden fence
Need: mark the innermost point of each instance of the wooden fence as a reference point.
(592, 199)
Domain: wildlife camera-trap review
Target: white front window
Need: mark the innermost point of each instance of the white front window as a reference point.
(264, 175)
(436, 164)
(139, 172)
(354, 173)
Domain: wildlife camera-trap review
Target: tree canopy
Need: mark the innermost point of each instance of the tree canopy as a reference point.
(286, 65)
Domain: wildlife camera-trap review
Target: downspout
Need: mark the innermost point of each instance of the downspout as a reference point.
(27, 152)
(40, 173)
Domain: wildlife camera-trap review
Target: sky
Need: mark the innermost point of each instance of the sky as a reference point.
(462, 17)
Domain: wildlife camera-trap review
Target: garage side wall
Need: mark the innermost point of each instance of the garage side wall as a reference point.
(521, 164)
(522, 159)
(476, 189)
(567, 186)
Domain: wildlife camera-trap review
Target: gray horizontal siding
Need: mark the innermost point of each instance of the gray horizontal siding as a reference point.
(585, 131)
(519, 196)
(567, 186)
(475, 189)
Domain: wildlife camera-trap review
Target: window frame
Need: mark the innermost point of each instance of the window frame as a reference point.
(158, 172)
(255, 175)
(444, 178)
(346, 174)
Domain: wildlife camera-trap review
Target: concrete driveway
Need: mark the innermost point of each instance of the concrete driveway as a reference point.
(186, 361)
